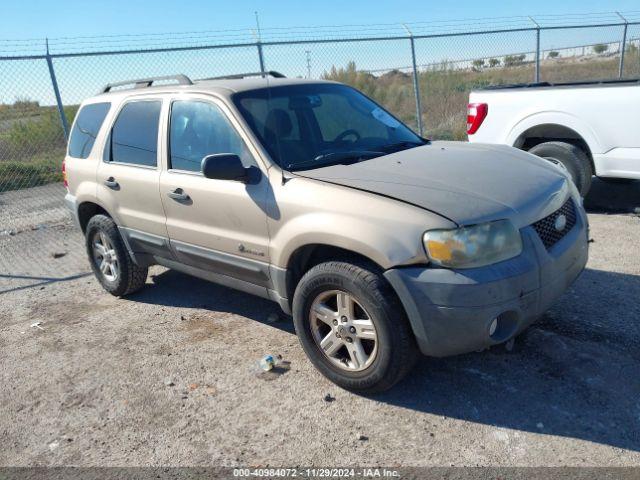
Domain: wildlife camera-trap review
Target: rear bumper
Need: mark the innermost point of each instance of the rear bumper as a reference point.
(618, 163)
(72, 205)
(451, 310)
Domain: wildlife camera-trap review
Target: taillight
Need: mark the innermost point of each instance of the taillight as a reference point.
(476, 113)
(64, 175)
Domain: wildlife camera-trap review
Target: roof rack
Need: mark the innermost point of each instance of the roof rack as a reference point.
(238, 76)
(147, 82)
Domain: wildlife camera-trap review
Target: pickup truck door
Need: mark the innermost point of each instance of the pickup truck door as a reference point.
(215, 225)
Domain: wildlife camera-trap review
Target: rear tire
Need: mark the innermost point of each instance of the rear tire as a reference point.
(395, 350)
(572, 158)
(110, 260)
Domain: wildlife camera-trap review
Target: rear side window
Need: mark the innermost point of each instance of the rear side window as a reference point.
(86, 129)
(134, 137)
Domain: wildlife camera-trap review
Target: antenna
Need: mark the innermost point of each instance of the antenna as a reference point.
(258, 26)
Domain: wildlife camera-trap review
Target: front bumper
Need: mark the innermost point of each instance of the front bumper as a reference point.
(451, 311)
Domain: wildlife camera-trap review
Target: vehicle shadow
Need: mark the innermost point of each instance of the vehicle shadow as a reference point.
(175, 289)
(575, 373)
(613, 197)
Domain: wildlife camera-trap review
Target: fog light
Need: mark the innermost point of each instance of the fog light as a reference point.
(493, 327)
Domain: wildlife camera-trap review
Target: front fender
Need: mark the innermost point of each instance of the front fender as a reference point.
(381, 243)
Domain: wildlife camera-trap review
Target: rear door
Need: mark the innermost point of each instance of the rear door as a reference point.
(128, 176)
(216, 225)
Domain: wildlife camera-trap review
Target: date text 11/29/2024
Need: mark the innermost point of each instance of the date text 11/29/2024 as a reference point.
(316, 472)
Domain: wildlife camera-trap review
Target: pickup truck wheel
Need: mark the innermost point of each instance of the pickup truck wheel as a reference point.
(352, 327)
(110, 261)
(572, 158)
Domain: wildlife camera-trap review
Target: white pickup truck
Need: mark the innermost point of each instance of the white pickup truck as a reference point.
(588, 128)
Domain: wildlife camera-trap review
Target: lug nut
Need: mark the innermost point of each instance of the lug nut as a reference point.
(352, 329)
(335, 322)
(344, 319)
(349, 339)
(338, 334)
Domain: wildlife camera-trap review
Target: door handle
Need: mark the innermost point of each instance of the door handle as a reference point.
(178, 194)
(111, 183)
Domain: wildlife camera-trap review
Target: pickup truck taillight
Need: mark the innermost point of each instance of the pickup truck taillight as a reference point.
(476, 113)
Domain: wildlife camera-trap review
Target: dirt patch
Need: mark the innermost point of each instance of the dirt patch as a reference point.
(203, 327)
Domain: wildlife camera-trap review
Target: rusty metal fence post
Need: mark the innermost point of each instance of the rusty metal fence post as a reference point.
(416, 80)
(623, 45)
(537, 54)
(56, 92)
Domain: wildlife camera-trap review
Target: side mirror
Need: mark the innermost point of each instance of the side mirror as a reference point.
(224, 166)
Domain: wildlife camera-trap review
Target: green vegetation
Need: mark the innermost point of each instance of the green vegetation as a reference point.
(514, 60)
(600, 48)
(553, 54)
(38, 170)
(32, 144)
(478, 65)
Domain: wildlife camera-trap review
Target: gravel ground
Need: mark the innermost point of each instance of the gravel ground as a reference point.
(167, 376)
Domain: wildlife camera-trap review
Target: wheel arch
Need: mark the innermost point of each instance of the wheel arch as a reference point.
(88, 209)
(554, 126)
(307, 256)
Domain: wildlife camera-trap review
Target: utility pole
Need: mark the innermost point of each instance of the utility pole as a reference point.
(308, 53)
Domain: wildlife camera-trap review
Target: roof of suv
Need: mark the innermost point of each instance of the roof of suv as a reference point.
(222, 85)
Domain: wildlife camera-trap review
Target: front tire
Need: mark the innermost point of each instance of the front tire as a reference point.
(110, 261)
(352, 327)
(570, 157)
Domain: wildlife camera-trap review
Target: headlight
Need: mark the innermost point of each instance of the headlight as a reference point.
(474, 246)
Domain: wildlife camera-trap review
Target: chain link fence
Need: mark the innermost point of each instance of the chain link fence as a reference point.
(423, 79)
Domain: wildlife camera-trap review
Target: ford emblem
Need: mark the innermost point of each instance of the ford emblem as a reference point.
(560, 223)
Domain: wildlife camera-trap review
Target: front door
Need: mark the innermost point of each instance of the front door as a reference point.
(216, 225)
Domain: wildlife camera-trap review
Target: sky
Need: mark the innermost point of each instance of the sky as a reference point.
(58, 18)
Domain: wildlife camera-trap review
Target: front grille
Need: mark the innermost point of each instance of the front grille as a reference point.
(546, 228)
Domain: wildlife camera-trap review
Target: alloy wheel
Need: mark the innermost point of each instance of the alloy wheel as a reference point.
(343, 330)
(105, 257)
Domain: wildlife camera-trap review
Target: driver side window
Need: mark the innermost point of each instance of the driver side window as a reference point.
(198, 129)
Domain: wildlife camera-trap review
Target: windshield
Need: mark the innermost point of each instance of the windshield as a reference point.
(313, 125)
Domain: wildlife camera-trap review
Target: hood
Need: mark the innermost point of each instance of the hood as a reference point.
(466, 183)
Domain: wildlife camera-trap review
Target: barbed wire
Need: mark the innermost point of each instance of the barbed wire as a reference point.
(145, 41)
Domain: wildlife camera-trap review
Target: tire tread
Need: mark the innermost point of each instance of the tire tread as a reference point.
(134, 276)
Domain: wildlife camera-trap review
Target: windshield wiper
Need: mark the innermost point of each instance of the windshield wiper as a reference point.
(401, 145)
(335, 158)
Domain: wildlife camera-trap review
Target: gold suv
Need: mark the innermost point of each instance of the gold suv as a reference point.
(380, 243)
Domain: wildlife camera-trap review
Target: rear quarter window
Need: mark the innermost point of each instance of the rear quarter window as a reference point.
(86, 128)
